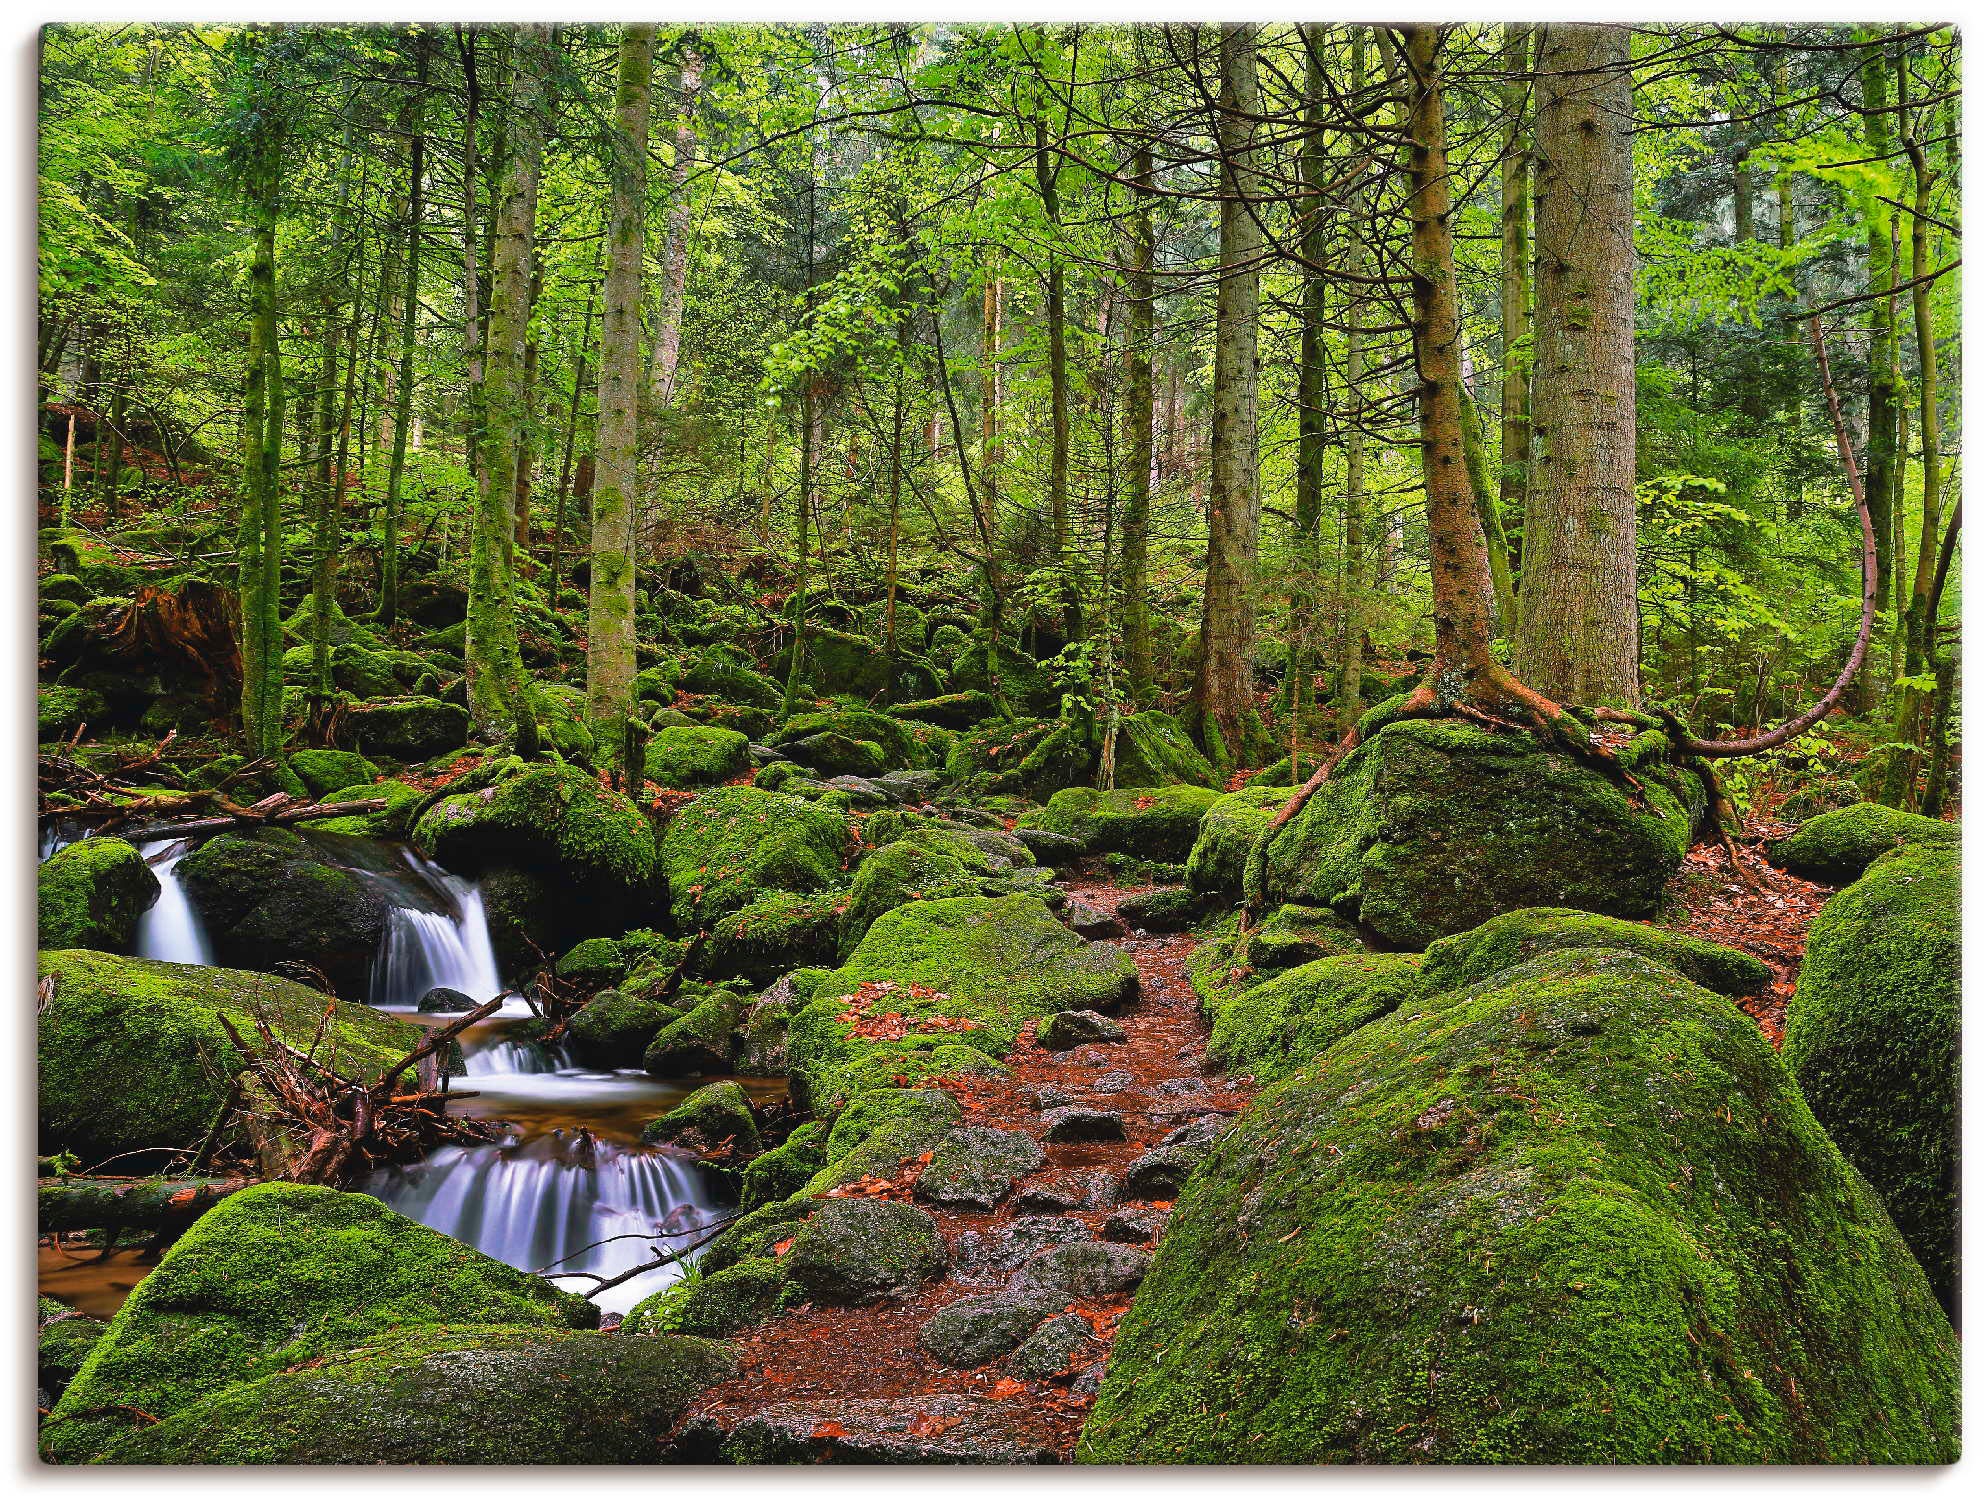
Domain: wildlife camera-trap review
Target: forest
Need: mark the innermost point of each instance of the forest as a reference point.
(919, 743)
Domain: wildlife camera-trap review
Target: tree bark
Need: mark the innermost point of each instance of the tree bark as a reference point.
(1139, 344)
(1046, 177)
(675, 263)
(1515, 307)
(1884, 383)
(1311, 393)
(1224, 698)
(416, 202)
(1578, 640)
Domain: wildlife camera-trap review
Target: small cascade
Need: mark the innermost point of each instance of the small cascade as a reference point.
(533, 1204)
(57, 834)
(171, 929)
(512, 1057)
(437, 935)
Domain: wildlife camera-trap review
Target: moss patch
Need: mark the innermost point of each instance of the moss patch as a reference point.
(1231, 826)
(1160, 823)
(690, 757)
(1275, 1029)
(728, 846)
(1510, 939)
(92, 894)
(1838, 847)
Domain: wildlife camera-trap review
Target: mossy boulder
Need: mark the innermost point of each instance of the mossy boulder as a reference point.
(773, 934)
(324, 770)
(92, 894)
(269, 896)
(685, 758)
(1153, 750)
(450, 1396)
(1510, 939)
(132, 1054)
(893, 743)
(1027, 756)
(1586, 1193)
(64, 1339)
(1873, 1035)
(557, 821)
(60, 710)
(410, 729)
(706, 1120)
(394, 820)
(615, 1029)
(777, 1173)
(1430, 827)
(728, 846)
(957, 711)
(726, 1302)
(1160, 823)
(1840, 845)
(598, 962)
(722, 671)
(703, 1041)
(897, 874)
(1227, 833)
(880, 1130)
(974, 1167)
(270, 1280)
(1236, 953)
(1272, 1030)
(965, 971)
(864, 1251)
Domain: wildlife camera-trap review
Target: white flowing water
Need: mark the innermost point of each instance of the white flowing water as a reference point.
(171, 929)
(561, 1195)
(424, 948)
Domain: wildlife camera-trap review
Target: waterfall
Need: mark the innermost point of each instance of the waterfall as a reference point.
(171, 930)
(511, 1057)
(532, 1204)
(441, 941)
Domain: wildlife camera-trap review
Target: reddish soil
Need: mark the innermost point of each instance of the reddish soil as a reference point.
(817, 1352)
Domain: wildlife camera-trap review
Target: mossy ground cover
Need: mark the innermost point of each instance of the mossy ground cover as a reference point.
(727, 846)
(1160, 823)
(1577, 1214)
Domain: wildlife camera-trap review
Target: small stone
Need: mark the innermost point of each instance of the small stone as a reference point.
(975, 1166)
(761, 755)
(1092, 923)
(1050, 847)
(1137, 1227)
(1049, 1349)
(1060, 1031)
(861, 791)
(1046, 1098)
(1049, 1199)
(1181, 1085)
(445, 1000)
(1160, 1173)
(1080, 1124)
(977, 1330)
(1083, 1270)
(1200, 1133)
(1113, 1082)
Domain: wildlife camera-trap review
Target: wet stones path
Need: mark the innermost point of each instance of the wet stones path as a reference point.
(998, 1360)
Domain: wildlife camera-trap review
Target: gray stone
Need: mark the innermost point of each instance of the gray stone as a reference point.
(445, 1000)
(977, 1330)
(1083, 1270)
(1092, 923)
(1137, 1227)
(1160, 1173)
(922, 1430)
(864, 1251)
(975, 1166)
(1078, 1026)
(1113, 1082)
(1049, 846)
(1080, 1124)
(1049, 1349)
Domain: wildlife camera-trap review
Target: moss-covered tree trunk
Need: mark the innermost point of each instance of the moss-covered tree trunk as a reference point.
(496, 683)
(1578, 639)
(416, 207)
(1223, 698)
(610, 613)
(1047, 178)
(1139, 344)
(258, 543)
(1884, 382)
(1311, 394)
(1515, 272)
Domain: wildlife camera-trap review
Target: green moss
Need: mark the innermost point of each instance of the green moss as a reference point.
(722, 671)
(92, 893)
(691, 757)
(1872, 1034)
(411, 730)
(270, 895)
(1274, 1029)
(1430, 827)
(1513, 938)
(1231, 826)
(324, 770)
(63, 1341)
(1579, 1214)
(269, 1280)
(895, 742)
(958, 710)
(728, 846)
(702, 1041)
(1152, 750)
(773, 934)
(1160, 823)
(1837, 847)
(615, 1029)
(451, 1397)
(394, 820)
(706, 1119)
(917, 1062)
(1228, 959)
(550, 818)
(895, 875)
(596, 962)
(722, 1303)
(778, 1173)
(60, 710)
(1030, 756)
(132, 1054)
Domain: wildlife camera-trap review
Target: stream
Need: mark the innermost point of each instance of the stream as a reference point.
(569, 1184)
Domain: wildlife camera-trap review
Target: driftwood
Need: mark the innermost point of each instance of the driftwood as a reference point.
(80, 1203)
(274, 810)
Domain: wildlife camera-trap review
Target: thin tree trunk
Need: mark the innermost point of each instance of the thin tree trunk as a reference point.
(1139, 344)
(1311, 395)
(1516, 352)
(1884, 387)
(681, 218)
(389, 528)
(1224, 699)
(1578, 640)
(1046, 177)
(565, 471)
(610, 615)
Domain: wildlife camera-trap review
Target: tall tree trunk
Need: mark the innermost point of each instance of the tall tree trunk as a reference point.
(497, 690)
(610, 614)
(258, 544)
(527, 431)
(1884, 383)
(1311, 393)
(681, 220)
(1516, 352)
(1047, 177)
(1139, 345)
(1579, 636)
(325, 540)
(1224, 698)
(474, 330)
(416, 202)
(565, 463)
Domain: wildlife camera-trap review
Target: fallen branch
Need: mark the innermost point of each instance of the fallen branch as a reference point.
(78, 1203)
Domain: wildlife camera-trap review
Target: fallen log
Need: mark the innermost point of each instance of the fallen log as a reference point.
(79, 1203)
(237, 817)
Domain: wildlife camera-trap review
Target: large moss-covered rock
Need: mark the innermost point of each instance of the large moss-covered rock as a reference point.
(726, 1302)
(1275, 1029)
(269, 896)
(1227, 833)
(1429, 828)
(1152, 749)
(554, 820)
(270, 1280)
(1238, 952)
(968, 972)
(894, 744)
(1872, 1035)
(396, 819)
(717, 1115)
(703, 1041)
(773, 934)
(897, 874)
(615, 1029)
(447, 1396)
(1160, 824)
(1030, 756)
(722, 671)
(728, 846)
(1578, 1214)
(92, 894)
(863, 1251)
(1510, 939)
(685, 758)
(1838, 847)
(412, 729)
(132, 1054)
(958, 710)
(64, 1339)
